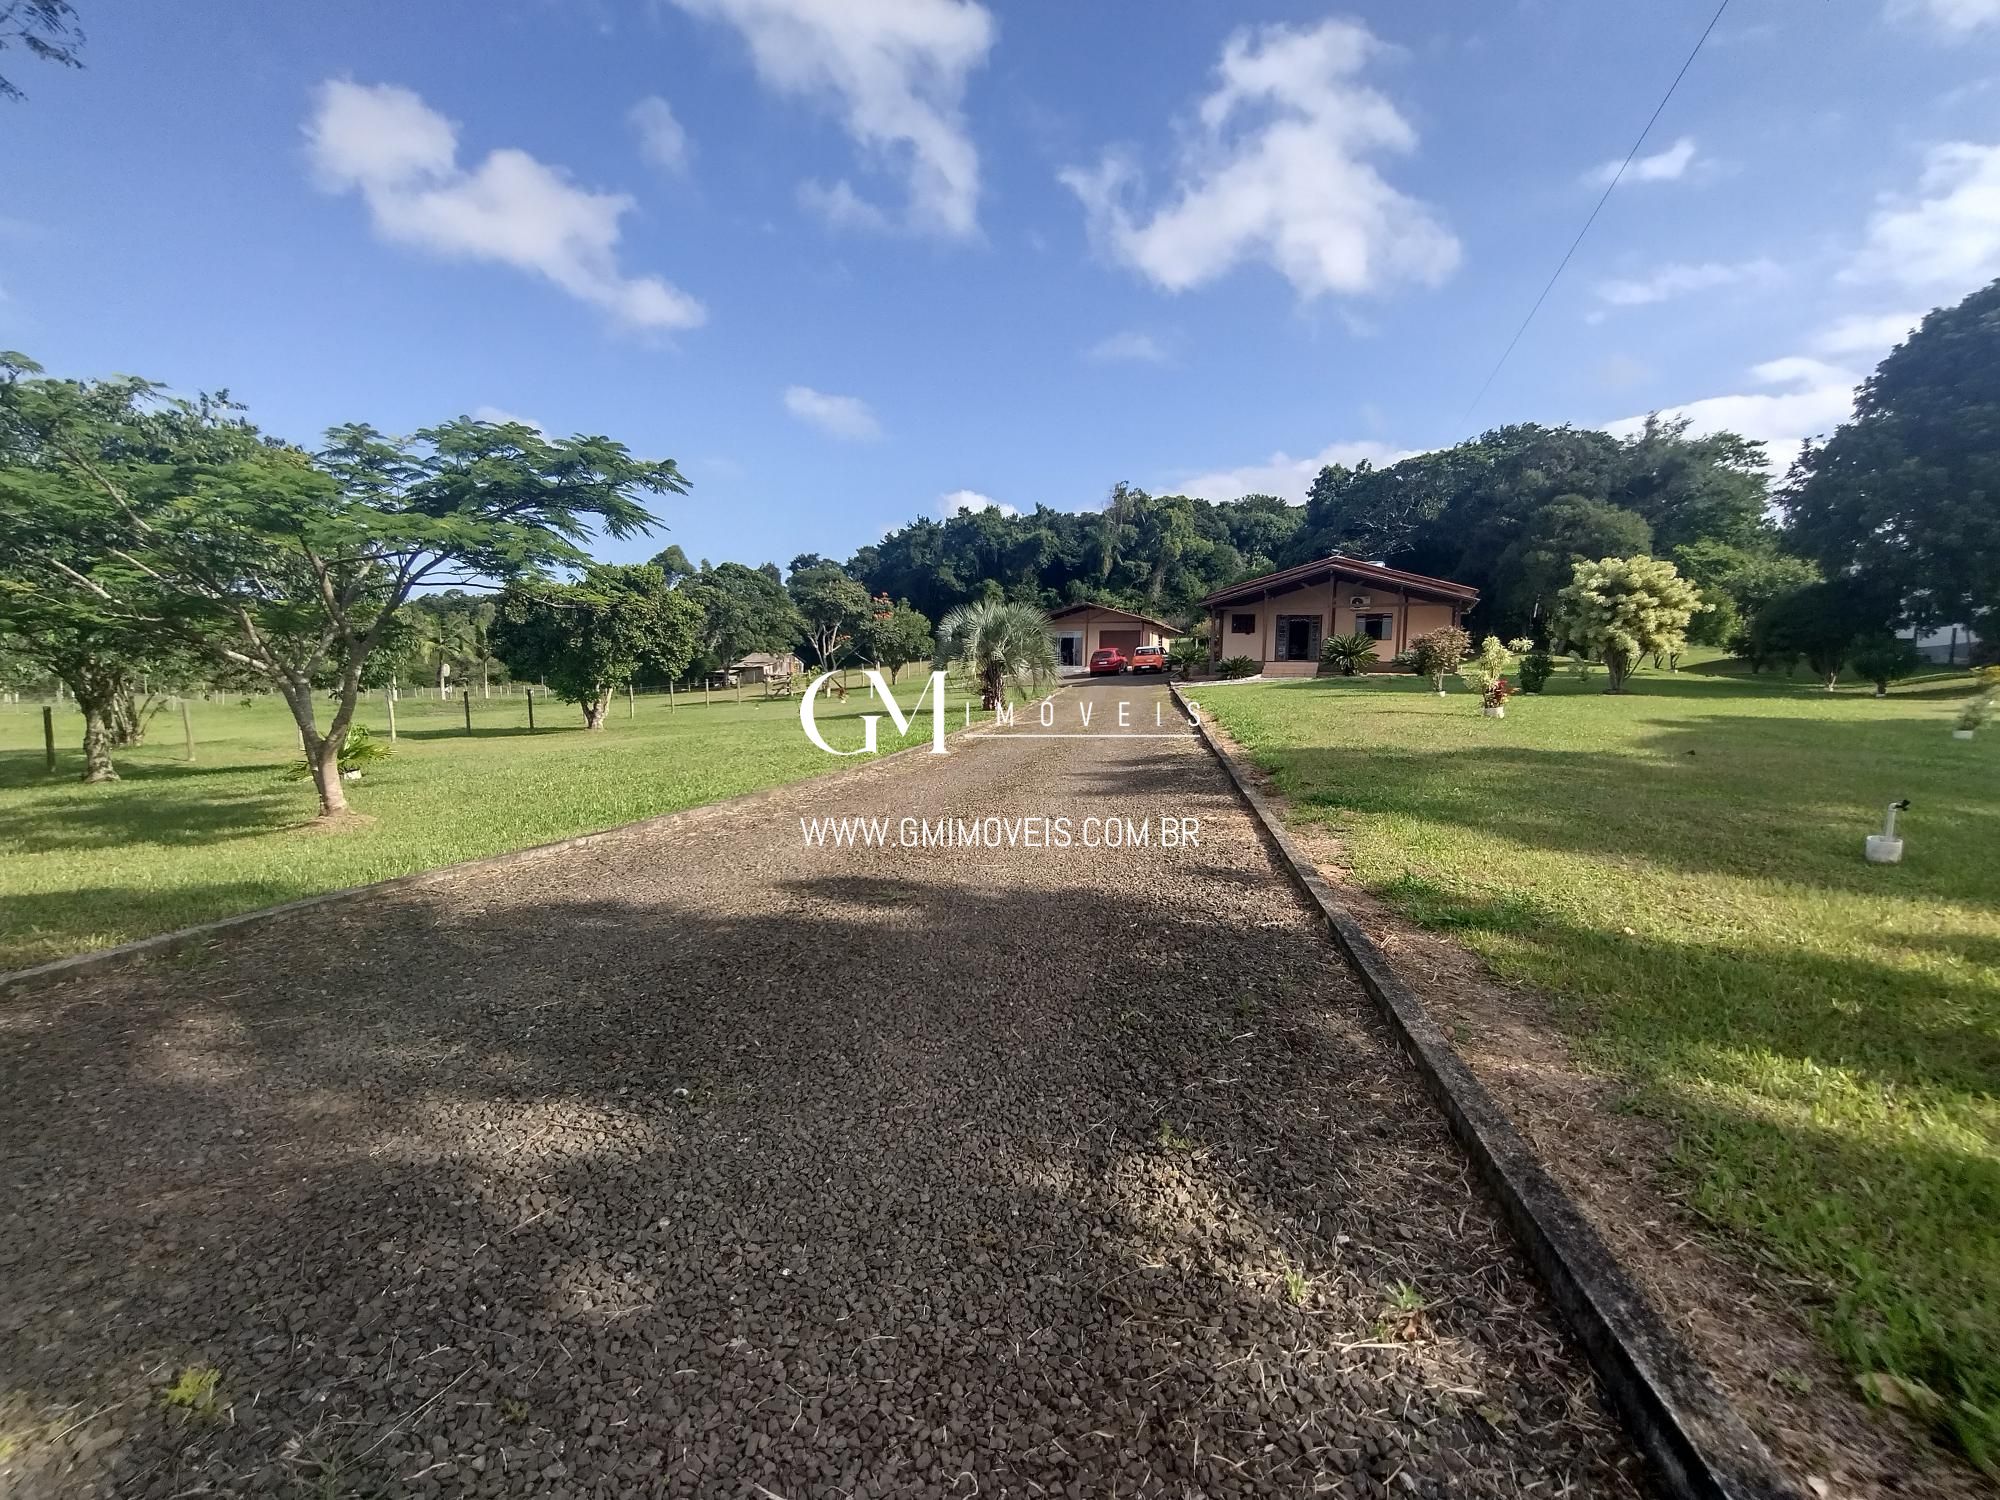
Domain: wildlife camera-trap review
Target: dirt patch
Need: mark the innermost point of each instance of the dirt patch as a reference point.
(1741, 1320)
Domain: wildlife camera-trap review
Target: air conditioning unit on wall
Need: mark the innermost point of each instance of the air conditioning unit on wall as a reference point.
(1358, 600)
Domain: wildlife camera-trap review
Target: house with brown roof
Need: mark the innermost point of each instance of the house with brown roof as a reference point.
(1281, 619)
(1079, 629)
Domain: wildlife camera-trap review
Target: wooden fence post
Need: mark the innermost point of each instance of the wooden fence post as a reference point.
(631, 707)
(531, 708)
(467, 696)
(389, 698)
(49, 735)
(187, 730)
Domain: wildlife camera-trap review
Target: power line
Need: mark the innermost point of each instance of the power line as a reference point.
(1616, 177)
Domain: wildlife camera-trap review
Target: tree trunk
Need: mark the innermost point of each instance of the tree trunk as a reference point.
(323, 750)
(96, 690)
(97, 736)
(594, 709)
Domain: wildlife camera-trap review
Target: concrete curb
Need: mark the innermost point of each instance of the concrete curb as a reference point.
(102, 959)
(1697, 1443)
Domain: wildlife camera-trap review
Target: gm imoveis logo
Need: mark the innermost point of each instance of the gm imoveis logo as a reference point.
(891, 710)
(1118, 721)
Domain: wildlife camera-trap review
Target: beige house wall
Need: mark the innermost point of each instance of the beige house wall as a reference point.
(1333, 604)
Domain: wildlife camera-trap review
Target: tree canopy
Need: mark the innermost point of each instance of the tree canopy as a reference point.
(1907, 493)
(589, 638)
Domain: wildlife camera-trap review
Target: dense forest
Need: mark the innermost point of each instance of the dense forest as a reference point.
(1506, 512)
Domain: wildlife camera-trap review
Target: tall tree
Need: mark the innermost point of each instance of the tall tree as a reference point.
(895, 637)
(832, 605)
(1568, 530)
(1906, 494)
(590, 638)
(743, 610)
(295, 568)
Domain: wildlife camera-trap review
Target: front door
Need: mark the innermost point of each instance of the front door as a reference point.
(1070, 648)
(1298, 638)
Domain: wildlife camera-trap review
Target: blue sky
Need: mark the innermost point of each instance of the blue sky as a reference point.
(854, 261)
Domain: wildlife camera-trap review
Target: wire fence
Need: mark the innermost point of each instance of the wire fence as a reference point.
(425, 712)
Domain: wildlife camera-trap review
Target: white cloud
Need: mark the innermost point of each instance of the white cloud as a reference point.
(845, 417)
(1954, 17)
(1819, 398)
(662, 141)
(1678, 279)
(1947, 238)
(1866, 333)
(842, 207)
(1276, 169)
(402, 157)
(957, 501)
(1285, 476)
(500, 417)
(1670, 165)
(1140, 348)
(895, 72)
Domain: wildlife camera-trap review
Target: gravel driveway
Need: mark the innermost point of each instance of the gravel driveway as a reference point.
(707, 1163)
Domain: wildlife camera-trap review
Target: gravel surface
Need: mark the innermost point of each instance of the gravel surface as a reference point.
(710, 1164)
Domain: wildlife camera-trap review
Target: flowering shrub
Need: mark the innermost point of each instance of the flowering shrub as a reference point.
(1498, 691)
(1438, 654)
(1621, 609)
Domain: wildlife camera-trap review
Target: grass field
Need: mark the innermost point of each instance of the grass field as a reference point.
(1681, 869)
(172, 843)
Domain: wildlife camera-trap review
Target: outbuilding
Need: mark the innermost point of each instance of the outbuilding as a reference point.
(1079, 629)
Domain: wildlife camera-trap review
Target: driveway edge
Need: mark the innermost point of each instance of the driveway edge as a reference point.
(99, 960)
(1696, 1442)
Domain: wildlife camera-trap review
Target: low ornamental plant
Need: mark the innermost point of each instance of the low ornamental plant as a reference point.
(1498, 691)
(1439, 653)
(1490, 664)
(1239, 666)
(1978, 711)
(361, 748)
(1345, 653)
(1537, 666)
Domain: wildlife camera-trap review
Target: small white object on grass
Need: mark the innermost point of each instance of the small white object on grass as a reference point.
(1885, 848)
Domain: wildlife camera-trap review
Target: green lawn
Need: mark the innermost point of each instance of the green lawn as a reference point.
(1682, 870)
(172, 843)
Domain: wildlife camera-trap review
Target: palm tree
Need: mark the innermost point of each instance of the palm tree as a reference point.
(1002, 645)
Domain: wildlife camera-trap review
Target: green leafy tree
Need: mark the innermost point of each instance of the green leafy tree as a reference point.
(832, 605)
(1736, 582)
(73, 601)
(295, 568)
(1882, 659)
(896, 638)
(1566, 531)
(1822, 623)
(743, 610)
(1000, 645)
(1905, 496)
(590, 638)
(1622, 609)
